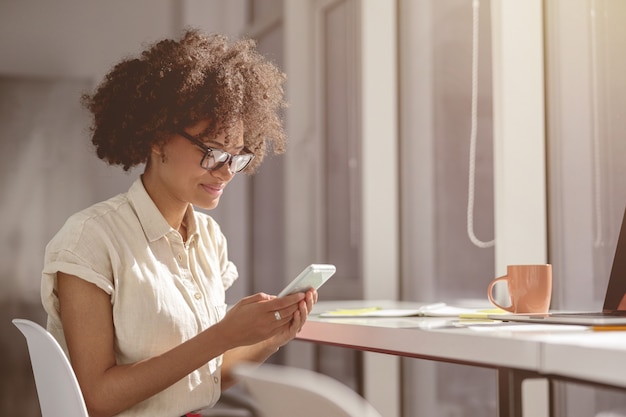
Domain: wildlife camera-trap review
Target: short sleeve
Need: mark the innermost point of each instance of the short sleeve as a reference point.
(78, 251)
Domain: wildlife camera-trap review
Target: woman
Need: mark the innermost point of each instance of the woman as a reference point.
(134, 286)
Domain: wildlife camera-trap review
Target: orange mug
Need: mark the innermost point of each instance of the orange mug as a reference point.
(530, 288)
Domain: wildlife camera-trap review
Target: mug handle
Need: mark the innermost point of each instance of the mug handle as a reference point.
(510, 308)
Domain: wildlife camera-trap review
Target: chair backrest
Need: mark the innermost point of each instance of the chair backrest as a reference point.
(57, 386)
(282, 391)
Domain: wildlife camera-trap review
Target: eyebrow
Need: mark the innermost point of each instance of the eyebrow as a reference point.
(213, 144)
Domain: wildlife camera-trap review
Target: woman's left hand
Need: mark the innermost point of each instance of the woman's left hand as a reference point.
(294, 324)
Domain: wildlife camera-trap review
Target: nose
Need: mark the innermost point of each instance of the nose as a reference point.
(223, 173)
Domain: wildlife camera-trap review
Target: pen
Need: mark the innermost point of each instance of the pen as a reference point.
(481, 314)
(607, 328)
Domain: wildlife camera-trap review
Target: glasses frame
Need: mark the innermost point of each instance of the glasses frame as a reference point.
(208, 151)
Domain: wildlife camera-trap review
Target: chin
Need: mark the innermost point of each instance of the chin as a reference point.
(208, 205)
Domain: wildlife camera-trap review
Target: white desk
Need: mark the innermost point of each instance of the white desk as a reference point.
(595, 357)
(516, 351)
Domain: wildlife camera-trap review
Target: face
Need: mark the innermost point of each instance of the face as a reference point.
(177, 171)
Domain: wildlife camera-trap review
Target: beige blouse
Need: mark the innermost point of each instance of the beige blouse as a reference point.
(163, 291)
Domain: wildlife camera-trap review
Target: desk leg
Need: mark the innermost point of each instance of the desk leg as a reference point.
(510, 394)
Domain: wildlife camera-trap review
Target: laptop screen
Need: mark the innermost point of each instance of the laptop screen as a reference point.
(615, 298)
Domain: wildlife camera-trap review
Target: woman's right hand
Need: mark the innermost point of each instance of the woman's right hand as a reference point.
(254, 319)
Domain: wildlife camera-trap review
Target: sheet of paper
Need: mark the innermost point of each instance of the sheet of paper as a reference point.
(428, 310)
(371, 312)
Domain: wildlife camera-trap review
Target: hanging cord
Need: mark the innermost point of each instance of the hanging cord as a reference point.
(598, 241)
(474, 117)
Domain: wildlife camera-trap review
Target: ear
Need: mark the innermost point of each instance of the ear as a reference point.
(157, 149)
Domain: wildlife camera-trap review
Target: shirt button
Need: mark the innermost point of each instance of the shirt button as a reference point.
(216, 379)
(180, 257)
(197, 296)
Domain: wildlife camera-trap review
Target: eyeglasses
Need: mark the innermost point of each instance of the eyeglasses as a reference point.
(214, 158)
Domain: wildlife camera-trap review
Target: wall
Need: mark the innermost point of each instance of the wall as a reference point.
(52, 52)
(74, 39)
(58, 50)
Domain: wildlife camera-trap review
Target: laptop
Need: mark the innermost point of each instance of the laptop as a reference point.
(614, 309)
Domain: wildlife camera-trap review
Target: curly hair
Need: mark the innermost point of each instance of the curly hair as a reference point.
(174, 84)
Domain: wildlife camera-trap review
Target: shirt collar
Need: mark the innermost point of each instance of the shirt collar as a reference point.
(192, 225)
(152, 221)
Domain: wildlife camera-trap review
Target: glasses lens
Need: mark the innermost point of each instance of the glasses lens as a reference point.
(214, 159)
(240, 162)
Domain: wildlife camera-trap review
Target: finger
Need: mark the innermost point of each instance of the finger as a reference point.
(254, 298)
(282, 302)
(286, 314)
(293, 323)
(312, 295)
(283, 315)
(278, 317)
(310, 301)
(302, 315)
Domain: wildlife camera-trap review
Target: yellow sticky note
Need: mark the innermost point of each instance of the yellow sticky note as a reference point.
(352, 311)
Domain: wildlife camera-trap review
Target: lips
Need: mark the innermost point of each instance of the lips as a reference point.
(213, 189)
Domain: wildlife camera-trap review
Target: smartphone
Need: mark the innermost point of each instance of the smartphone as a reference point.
(313, 276)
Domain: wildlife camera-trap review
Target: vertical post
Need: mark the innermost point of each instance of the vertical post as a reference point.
(523, 394)
(519, 133)
(519, 155)
(380, 186)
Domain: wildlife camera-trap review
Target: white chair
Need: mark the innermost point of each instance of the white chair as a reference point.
(57, 386)
(58, 389)
(282, 391)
